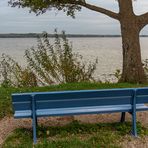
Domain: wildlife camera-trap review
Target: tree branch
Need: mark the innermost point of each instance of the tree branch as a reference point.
(60, 4)
(97, 9)
(143, 20)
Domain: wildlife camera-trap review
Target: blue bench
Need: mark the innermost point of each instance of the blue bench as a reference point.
(43, 104)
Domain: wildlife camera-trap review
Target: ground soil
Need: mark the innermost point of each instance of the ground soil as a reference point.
(9, 124)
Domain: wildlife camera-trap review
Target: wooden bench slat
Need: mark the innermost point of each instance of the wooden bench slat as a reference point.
(21, 98)
(83, 94)
(78, 110)
(23, 114)
(42, 104)
(82, 102)
(22, 106)
(83, 110)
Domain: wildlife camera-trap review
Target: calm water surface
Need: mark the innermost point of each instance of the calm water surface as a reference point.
(108, 51)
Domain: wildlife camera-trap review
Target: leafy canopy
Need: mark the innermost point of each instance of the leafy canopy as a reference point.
(41, 6)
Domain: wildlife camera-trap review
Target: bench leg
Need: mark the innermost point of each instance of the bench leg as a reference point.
(122, 117)
(34, 124)
(134, 126)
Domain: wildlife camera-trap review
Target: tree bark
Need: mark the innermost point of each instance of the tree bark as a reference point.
(131, 25)
(133, 71)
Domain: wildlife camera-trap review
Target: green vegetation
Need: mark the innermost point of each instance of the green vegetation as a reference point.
(52, 63)
(5, 93)
(74, 135)
(14, 75)
(56, 63)
(48, 63)
(69, 136)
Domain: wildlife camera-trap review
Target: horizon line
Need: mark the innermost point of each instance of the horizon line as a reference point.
(35, 35)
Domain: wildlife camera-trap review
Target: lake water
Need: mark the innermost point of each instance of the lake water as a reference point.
(108, 51)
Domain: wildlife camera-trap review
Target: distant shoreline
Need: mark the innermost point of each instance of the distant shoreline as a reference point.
(35, 35)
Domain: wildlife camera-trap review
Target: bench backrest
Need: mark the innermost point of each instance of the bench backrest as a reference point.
(67, 99)
(142, 95)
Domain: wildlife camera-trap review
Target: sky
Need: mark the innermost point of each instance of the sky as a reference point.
(14, 20)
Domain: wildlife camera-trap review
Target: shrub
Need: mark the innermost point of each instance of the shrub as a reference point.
(47, 64)
(56, 63)
(13, 75)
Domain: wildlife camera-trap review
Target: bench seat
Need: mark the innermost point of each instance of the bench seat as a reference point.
(79, 110)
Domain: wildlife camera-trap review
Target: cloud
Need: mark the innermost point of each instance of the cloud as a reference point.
(89, 22)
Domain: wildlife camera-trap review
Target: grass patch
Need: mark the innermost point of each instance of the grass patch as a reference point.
(74, 135)
(5, 93)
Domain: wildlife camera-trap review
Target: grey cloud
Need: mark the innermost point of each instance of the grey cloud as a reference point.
(86, 22)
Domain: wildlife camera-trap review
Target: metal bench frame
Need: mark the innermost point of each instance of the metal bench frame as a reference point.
(134, 105)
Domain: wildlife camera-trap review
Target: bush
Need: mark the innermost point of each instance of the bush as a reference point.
(56, 63)
(13, 75)
(47, 64)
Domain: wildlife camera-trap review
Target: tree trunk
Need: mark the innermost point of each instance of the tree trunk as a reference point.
(133, 71)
